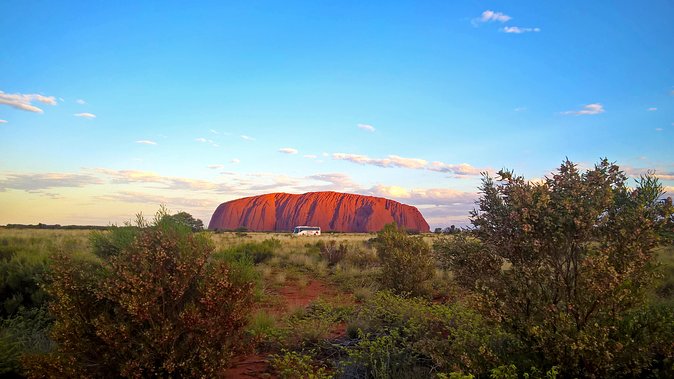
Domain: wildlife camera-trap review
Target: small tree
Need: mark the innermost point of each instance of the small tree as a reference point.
(187, 219)
(154, 305)
(577, 252)
(407, 262)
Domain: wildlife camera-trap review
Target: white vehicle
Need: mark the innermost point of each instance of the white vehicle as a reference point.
(307, 231)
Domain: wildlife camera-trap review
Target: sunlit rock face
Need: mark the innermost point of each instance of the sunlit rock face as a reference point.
(332, 211)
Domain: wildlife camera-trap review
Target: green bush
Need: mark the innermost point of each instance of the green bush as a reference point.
(578, 252)
(407, 262)
(25, 332)
(23, 265)
(258, 252)
(294, 365)
(159, 306)
(425, 338)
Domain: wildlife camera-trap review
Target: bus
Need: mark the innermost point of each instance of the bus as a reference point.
(307, 231)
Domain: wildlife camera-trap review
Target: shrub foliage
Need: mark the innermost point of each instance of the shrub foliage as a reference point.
(577, 251)
(154, 305)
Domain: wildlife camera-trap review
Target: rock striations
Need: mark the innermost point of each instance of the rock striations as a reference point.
(332, 211)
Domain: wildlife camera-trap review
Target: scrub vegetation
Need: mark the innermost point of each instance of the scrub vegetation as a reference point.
(571, 276)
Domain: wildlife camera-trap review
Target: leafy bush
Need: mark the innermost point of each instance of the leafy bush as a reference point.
(23, 264)
(332, 252)
(424, 338)
(461, 254)
(155, 307)
(25, 332)
(407, 262)
(294, 365)
(258, 252)
(578, 248)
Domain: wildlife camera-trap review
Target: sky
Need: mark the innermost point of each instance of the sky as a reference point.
(108, 109)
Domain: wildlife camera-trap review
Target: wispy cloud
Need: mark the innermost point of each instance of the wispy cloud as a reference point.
(589, 109)
(310, 156)
(208, 141)
(489, 16)
(288, 150)
(24, 101)
(85, 115)
(366, 127)
(458, 170)
(247, 138)
(658, 129)
(3, 121)
(40, 181)
(146, 142)
(80, 101)
(390, 161)
(652, 109)
(519, 30)
(215, 166)
(661, 173)
(235, 161)
(520, 109)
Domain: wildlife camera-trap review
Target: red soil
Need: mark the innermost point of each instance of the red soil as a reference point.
(294, 296)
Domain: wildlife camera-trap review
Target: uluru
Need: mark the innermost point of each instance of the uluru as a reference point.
(331, 211)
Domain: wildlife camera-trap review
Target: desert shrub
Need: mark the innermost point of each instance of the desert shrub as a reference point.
(295, 365)
(258, 252)
(23, 264)
(156, 307)
(578, 251)
(332, 252)
(310, 326)
(407, 262)
(25, 332)
(424, 338)
(461, 255)
(383, 357)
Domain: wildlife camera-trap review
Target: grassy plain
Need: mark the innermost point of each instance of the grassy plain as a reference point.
(308, 308)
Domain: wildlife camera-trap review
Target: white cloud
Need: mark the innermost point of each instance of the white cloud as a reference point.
(366, 127)
(24, 101)
(662, 174)
(85, 115)
(489, 16)
(235, 161)
(288, 150)
(80, 101)
(658, 129)
(40, 181)
(310, 156)
(3, 121)
(652, 109)
(390, 161)
(520, 109)
(247, 138)
(213, 131)
(215, 166)
(459, 170)
(208, 141)
(589, 109)
(146, 142)
(519, 30)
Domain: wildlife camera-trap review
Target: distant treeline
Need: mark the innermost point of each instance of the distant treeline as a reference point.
(56, 226)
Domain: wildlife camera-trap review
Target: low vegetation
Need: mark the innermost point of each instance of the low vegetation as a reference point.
(572, 276)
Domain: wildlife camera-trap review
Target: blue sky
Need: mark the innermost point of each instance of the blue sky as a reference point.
(108, 109)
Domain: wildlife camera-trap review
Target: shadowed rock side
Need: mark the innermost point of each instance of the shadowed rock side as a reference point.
(332, 211)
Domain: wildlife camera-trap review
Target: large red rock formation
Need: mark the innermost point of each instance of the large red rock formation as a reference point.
(332, 211)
